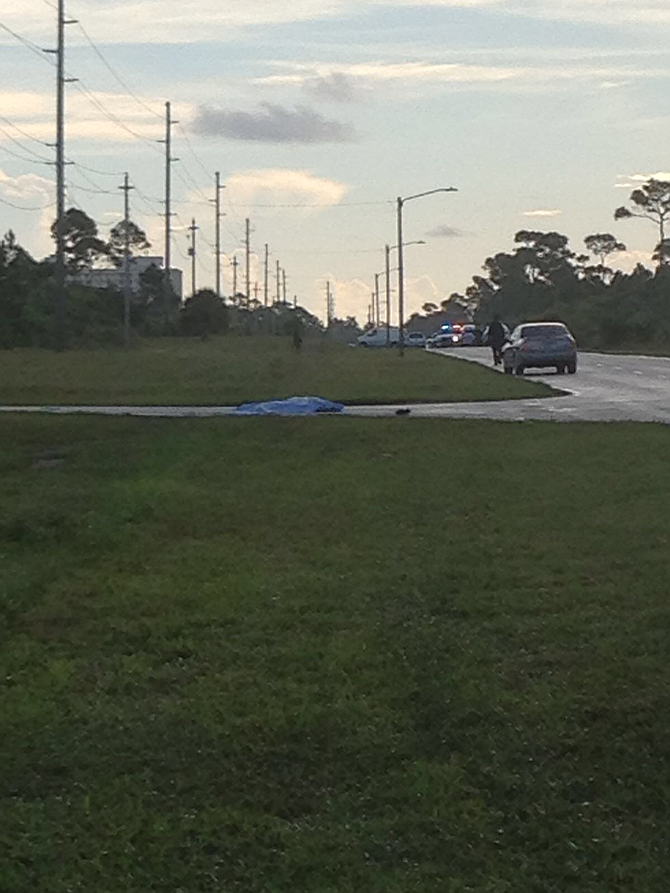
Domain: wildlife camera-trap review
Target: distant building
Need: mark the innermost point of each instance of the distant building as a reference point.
(113, 277)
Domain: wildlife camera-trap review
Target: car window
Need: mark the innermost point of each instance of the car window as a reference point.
(541, 331)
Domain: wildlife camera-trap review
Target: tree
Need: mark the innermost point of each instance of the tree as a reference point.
(82, 245)
(602, 245)
(429, 308)
(137, 241)
(650, 202)
(204, 314)
(662, 253)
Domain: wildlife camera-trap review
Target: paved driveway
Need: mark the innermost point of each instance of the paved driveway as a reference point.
(605, 389)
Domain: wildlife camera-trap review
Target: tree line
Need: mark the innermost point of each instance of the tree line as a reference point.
(543, 278)
(94, 316)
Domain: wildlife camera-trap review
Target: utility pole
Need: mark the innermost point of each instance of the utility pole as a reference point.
(61, 80)
(330, 304)
(377, 307)
(265, 275)
(126, 261)
(283, 276)
(278, 283)
(256, 292)
(193, 230)
(169, 160)
(217, 202)
(247, 246)
(235, 263)
(387, 251)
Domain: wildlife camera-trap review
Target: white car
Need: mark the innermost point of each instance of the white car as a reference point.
(415, 339)
(377, 337)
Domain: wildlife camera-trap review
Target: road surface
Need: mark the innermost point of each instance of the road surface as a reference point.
(605, 389)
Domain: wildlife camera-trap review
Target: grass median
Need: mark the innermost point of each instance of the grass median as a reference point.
(332, 655)
(229, 371)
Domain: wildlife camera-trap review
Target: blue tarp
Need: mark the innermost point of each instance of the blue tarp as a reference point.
(291, 406)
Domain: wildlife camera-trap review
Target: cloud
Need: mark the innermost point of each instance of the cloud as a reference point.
(445, 232)
(25, 186)
(643, 178)
(334, 87)
(543, 70)
(272, 124)
(543, 212)
(279, 185)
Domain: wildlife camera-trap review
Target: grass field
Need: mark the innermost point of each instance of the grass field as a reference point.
(228, 371)
(333, 655)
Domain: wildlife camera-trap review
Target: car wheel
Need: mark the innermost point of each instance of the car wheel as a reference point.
(560, 370)
(572, 367)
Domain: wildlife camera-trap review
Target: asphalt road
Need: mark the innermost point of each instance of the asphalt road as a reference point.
(605, 389)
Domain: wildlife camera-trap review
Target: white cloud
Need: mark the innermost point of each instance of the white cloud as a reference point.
(543, 212)
(25, 186)
(628, 260)
(456, 73)
(353, 296)
(642, 178)
(280, 185)
(34, 113)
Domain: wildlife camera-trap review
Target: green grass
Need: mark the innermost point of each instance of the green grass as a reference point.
(334, 655)
(228, 371)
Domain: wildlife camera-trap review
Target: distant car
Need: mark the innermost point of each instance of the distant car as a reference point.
(443, 340)
(415, 339)
(538, 345)
(378, 337)
(470, 336)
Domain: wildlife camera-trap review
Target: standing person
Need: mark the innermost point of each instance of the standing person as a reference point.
(496, 339)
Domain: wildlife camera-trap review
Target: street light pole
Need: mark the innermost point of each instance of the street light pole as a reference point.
(401, 279)
(401, 260)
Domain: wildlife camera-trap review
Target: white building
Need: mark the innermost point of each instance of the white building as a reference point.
(106, 277)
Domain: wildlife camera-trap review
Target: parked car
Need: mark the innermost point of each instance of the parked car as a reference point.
(377, 337)
(415, 339)
(539, 345)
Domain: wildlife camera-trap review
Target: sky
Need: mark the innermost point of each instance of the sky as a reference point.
(543, 114)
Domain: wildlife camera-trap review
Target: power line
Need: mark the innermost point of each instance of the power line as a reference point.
(193, 183)
(6, 201)
(23, 133)
(92, 191)
(84, 90)
(25, 148)
(94, 170)
(116, 76)
(193, 152)
(315, 205)
(29, 44)
(26, 159)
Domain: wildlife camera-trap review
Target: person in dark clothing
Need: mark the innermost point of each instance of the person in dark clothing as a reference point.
(496, 339)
